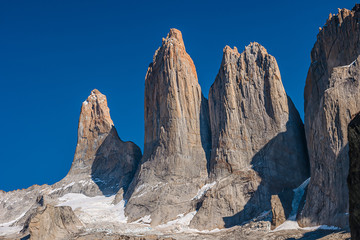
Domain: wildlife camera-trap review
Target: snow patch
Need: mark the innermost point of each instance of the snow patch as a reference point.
(183, 220)
(9, 230)
(95, 209)
(203, 190)
(146, 220)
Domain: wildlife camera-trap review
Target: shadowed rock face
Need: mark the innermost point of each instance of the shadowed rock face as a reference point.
(332, 97)
(258, 142)
(177, 136)
(103, 163)
(354, 176)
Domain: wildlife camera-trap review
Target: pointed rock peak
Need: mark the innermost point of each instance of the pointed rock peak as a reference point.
(174, 33)
(95, 113)
(174, 37)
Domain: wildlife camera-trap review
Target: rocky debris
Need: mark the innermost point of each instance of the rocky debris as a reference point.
(177, 137)
(107, 236)
(103, 164)
(251, 120)
(354, 176)
(53, 223)
(331, 99)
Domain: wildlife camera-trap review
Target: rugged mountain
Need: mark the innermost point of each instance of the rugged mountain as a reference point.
(103, 163)
(354, 176)
(332, 97)
(258, 141)
(177, 137)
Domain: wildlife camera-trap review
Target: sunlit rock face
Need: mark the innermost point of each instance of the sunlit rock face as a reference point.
(177, 136)
(258, 142)
(332, 97)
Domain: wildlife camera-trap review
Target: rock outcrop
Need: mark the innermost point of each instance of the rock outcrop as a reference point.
(53, 223)
(103, 164)
(353, 179)
(258, 141)
(332, 97)
(177, 137)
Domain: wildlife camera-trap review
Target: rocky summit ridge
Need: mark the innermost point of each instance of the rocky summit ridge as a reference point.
(240, 164)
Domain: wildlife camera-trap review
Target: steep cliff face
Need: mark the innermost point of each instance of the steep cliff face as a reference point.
(354, 176)
(331, 99)
(258, 142)
(103, 163)
(177, 136)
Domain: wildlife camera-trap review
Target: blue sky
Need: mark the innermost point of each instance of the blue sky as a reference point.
(53, 53)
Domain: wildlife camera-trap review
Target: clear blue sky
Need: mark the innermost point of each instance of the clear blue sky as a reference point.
(53, 53)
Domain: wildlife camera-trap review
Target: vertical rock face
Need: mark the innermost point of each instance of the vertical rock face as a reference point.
(102, 163)
(258, 142)
(177, 136)
(354, 176)
(332, 97)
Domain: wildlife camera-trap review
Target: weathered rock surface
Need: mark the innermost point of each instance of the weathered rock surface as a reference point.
(103, 163)
(281, 208)
(258, 141)
(353, 179)
(177, 137)
(332, 97)
(53, 223)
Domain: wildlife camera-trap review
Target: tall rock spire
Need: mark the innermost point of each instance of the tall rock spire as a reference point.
(103, 163)
(258, 142)
(177, 136)
(332, 97)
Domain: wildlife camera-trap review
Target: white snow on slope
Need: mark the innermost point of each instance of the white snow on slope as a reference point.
(203, 190)
(144, 220)
(9, 230)
(94, 209)
(182, 220)
(291, 222)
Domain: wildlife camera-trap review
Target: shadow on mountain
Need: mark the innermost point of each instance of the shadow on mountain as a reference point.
(115, 164)
(278, 169)
(320, 233)
(205, 131)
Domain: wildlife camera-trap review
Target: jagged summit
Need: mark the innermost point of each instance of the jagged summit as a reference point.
(176, 35)
(177, 137)
(102, 163)
(251, 118)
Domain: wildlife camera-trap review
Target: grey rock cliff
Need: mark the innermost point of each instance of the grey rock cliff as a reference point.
(332, 97)
(177, 136)
(258, 142)
(353, 179)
